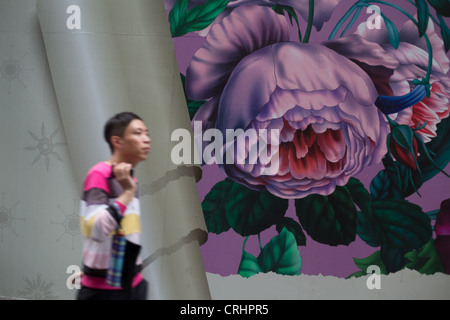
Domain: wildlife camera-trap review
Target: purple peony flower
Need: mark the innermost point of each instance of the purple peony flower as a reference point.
(321, 102)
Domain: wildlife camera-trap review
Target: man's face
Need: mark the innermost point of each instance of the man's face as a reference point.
(135, 143)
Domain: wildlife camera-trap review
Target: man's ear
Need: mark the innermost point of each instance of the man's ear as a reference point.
(116, 142)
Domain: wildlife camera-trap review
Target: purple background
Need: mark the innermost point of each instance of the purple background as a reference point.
(222, 253)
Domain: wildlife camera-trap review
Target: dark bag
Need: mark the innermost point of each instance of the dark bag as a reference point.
(130, 269)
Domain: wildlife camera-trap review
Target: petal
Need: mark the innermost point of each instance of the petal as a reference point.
(356, 47)
(207, 114)
(423, 112)
(312, 67)
(409, 54)
(332, 144)
(287, 134)
(313, 166)
(301, 148)
(243, 31)
(249, 88)
(371, 57)
(283, 165)
(334, 168)
(409, 34)
(309, 137)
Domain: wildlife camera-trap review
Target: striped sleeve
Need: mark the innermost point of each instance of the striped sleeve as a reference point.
(96, 220)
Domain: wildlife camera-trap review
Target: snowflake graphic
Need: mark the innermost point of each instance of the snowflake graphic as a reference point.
(37, 289)
(71, 223)
(11, 69)
(45, 146)
(6, 217)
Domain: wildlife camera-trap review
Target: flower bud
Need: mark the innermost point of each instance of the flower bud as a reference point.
(403, 146)
(442, 229)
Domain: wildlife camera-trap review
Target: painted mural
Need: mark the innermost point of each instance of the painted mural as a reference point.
(357, 93)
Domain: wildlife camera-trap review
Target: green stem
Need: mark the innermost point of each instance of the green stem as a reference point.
(395, 7)
(310, 21)
(432, 214)
(352, 21)
(342, 20)
(259, 241)
(243, 245)
(430, 59)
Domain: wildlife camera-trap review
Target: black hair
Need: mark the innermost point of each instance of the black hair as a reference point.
(116, 126)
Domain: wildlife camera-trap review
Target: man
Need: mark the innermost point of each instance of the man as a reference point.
(109, 203)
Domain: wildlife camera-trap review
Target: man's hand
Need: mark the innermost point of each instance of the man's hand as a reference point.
(122, 172)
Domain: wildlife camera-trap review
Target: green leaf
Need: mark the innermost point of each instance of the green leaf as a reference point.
(401, 224)
(400, 177)
(213, 206)
(441, 6)
(249, 264)
(359, 194)
(395, 181)
(177, 14)
(422, 16)
(328, 219)
(250, 212)
(425, 260)
(230, 204)
(366, 220)
(373, 260)
(382, 187)
(197, 18)
(281, 255)
(367, 229)
(394, 38)
(395, 224)
(440, 146)
(294, 227)
(393, 258)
